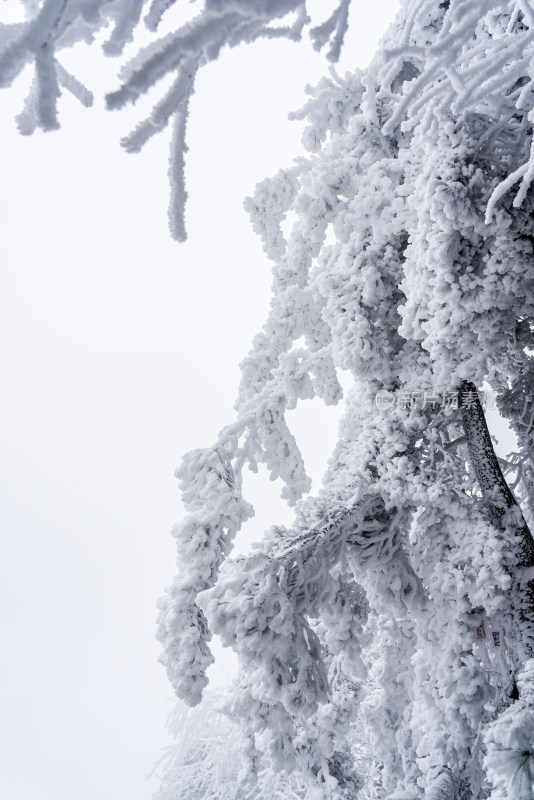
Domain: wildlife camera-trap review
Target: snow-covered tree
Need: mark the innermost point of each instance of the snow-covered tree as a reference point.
(385, 639)
(398, 608)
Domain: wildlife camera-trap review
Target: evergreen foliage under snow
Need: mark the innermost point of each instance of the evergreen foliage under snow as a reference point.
(397, 610)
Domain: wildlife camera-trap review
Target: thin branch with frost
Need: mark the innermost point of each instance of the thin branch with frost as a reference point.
(58, 24)
(502, 188)
(335, 26)
(177, 171)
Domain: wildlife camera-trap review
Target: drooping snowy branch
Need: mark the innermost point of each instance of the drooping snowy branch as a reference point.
(216, 512)
(54, 25)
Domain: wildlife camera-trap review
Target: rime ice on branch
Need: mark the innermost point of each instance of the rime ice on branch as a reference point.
(53, 25)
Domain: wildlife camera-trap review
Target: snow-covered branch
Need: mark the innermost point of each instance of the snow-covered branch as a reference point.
(54, 25)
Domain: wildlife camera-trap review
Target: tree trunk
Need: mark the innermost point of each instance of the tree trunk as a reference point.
(504, 513)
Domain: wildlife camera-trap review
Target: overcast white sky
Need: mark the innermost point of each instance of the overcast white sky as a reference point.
(120, 351)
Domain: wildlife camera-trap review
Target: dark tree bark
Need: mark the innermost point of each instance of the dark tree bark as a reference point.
(503, 511)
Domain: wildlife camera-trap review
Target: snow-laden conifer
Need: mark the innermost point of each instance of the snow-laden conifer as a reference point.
(407, 264)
